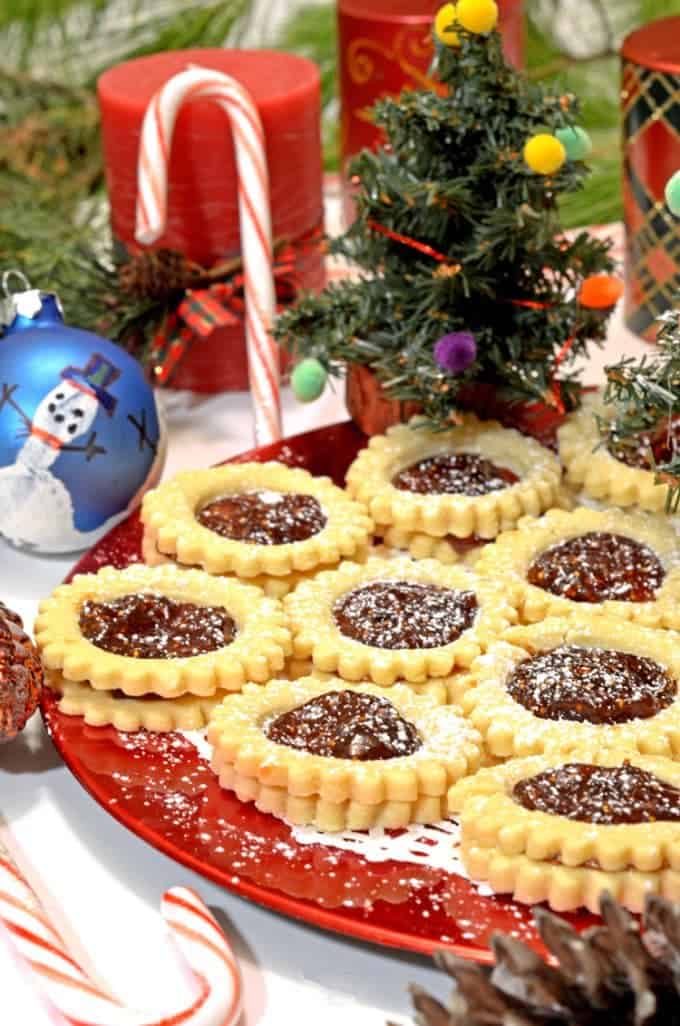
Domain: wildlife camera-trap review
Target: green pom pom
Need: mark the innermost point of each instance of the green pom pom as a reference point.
(673, 194)
(308, 380)
(576, 142)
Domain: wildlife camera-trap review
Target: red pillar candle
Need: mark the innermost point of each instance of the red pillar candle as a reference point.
(203, 221)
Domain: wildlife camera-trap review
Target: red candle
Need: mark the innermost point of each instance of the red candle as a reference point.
(202, 187)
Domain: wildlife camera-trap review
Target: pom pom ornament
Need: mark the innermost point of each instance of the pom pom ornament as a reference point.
(576, 141)
(80, 433)
(544, 154)
(600, 291)
(308, 380)
(455, 352)
(444, 25)
(673, 194)
(477, 16)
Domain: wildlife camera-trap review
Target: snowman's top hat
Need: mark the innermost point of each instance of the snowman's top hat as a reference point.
(94, 378)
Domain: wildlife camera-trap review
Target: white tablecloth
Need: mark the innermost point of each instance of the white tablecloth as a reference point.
(109, 882)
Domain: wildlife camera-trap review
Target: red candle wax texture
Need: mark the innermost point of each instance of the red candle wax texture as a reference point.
(203, 220)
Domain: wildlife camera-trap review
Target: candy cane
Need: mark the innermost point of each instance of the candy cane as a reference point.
(254, 215)
(80, 1001)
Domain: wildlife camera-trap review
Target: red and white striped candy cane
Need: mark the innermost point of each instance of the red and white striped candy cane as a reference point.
(82, 1002)
(254, 215)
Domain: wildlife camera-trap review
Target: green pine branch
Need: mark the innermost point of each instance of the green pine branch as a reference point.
(642, 424)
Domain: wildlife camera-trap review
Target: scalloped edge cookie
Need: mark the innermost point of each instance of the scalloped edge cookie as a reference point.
(273, 587)
(538, 856)
(104, 708)
(336, 794)
(317, 636)
(169, 518)
(591, 467)
(369, 479)
(512, 731)
(257, 652)
(513, 552)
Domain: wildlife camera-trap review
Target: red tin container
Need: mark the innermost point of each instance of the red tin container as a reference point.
(651, 149)
(386, 46)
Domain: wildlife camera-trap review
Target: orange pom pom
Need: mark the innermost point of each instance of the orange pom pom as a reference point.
(600, 291)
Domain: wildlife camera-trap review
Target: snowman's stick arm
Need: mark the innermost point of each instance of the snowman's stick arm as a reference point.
(6, 398)
(90, 449)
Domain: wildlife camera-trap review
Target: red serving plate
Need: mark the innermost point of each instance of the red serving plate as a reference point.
(159, 787)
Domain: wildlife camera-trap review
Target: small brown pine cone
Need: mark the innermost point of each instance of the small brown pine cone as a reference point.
(158, 274)
(21, 675)
(609, 975)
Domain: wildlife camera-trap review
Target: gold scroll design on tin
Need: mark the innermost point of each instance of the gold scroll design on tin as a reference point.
(361, 62)
(646, 238)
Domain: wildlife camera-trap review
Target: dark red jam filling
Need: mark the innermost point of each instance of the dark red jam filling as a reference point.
(264, 518)
(405, 614)
(600, 794)
(149, 626)
(597, 566)
(591, 685)
(346, 725)
(650, 448)
(459, 473)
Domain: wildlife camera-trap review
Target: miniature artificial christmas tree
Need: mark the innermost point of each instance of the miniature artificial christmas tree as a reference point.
(467, 278)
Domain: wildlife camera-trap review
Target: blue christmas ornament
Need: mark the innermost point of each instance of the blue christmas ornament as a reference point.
(80, 436)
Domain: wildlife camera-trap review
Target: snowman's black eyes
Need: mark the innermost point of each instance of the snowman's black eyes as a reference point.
(59, 395)
(52, 407)
(78, 413)
(72, 428)
(59, 418)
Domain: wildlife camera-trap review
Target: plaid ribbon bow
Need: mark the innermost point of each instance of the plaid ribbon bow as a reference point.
(202, 311)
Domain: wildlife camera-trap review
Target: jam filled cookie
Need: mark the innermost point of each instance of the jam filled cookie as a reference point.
(116, 709)
(162, 630)
(341, 756)
(471, 482)
(611, 475)
(273, 587)
(619, 564)
(450, 549)
(395, 618)
(564, 829)
(582, 680)
(254, 520)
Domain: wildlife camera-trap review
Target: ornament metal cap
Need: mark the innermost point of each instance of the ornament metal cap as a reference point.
(27, 302)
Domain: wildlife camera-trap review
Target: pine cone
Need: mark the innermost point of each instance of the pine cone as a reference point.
(610, 975)
(20, 675)
(157, 274)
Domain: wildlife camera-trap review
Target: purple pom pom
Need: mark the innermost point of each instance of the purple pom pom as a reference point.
(455, 352)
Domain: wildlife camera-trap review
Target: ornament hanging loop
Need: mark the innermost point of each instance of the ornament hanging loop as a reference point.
(14, 272)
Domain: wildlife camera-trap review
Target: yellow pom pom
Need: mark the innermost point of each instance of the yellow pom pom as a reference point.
(545, 154)
(479, 16)
(443, 25)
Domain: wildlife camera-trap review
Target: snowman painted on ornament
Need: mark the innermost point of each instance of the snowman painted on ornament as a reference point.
(80, 434)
